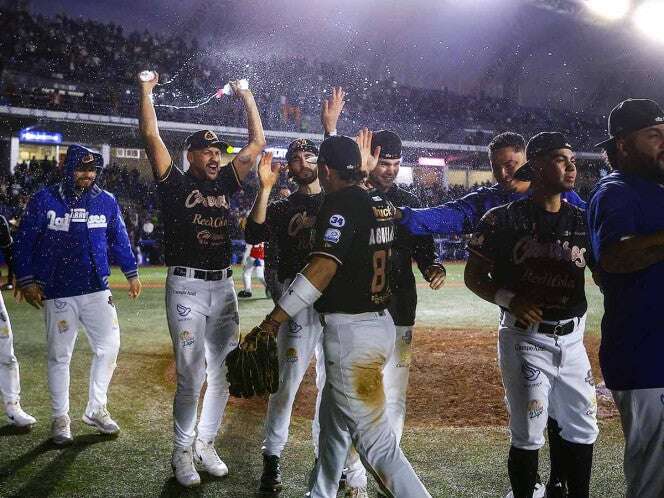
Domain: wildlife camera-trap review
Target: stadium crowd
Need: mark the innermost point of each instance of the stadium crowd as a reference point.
(72, 64)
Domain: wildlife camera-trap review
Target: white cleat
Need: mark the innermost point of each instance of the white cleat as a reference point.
(355, 493)
(61, 431)
(102, 421)
(207, 460)
(17, 416)
(183, 467)
(539, 492)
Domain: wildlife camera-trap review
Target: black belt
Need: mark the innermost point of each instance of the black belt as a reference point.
(551, 328)
(207, 275)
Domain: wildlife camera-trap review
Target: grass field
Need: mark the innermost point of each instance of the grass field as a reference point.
(452, 462)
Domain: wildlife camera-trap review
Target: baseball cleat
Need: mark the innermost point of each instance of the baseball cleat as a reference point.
(182, 463)
(244, 293)
(538, 492)
(17, 416)
(556, 490)
(207, 460)
(61, 431)
(355, 493)
(102, 421)
(271, 478)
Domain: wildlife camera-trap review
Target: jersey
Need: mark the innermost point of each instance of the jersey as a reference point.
(623, 205)
(462, 215)
(405, 248)
(538, 254)
(196, 216)
(289, 230)
(355, 227)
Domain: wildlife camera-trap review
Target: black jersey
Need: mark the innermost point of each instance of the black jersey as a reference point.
(355, 227)
(537, 253)
(289, 229)
(405, 248)
(196, 217)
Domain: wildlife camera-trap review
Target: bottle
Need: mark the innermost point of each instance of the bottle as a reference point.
(147, 75)
(227, 90)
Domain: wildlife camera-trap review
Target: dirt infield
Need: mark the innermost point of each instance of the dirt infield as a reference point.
(454, 381)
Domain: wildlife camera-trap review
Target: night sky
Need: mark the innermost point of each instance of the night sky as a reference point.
(430, 43)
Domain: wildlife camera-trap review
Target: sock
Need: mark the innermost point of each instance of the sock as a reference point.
(522, 469)
(555, 453)
(578, 461)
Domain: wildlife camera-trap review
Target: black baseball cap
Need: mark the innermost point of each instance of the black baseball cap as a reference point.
(539, 145)
(632, 115)
(389, 142)
(339, 152)
(300, 145)
(206, 138)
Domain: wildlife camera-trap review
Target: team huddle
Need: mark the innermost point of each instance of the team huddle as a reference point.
(342, 248)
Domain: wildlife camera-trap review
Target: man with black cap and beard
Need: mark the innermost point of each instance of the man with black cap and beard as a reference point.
(403, 303)
(626, 224)
(201, 305)
(288, 227)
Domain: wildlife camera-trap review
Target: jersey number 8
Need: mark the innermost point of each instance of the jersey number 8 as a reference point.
(379, 266)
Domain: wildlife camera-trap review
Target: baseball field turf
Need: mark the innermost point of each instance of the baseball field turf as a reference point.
(455, 434)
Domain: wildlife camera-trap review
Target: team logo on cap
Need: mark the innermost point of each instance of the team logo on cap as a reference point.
(210, 135)
(88, 158)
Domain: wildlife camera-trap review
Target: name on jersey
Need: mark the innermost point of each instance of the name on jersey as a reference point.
(381, 235)
(61, 223)
(210, 221)
(527, 247)
(210, 201)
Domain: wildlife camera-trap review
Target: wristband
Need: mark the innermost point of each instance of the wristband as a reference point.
(300, 295)
(503, 298)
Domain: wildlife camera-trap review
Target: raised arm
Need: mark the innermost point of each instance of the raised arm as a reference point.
(246, 158)
(268, 174)
(331, 109)
(156, 150)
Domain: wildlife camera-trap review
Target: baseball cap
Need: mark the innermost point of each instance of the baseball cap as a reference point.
(206, 138)
(389, 142)
(339, 152)
(539, 145)
(632, 115)
(300, 145)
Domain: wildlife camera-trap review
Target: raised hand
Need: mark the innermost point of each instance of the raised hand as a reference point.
(237, 91)
(369, 157)
(147, 86)
(331, 109)
(268, 173)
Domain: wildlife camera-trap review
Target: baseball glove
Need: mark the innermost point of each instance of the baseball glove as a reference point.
(253, 367)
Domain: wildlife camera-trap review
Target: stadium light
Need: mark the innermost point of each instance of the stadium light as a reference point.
(648, 19)
(611, 10)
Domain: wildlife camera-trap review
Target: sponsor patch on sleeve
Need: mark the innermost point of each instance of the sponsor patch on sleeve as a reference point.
(332, 235)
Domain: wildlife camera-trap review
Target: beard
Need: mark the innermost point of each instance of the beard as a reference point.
(647, 165)
(310, 177)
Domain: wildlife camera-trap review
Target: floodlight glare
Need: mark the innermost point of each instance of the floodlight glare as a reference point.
(611, 10)
(648, 19)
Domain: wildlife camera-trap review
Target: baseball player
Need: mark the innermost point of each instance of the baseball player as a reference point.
(403, 302)
(201, 305)
(288, 224)
(507, 153)
(626, 222)
(529, 257)
(253, 259)
(347, 278)
(62, 264)
(10, 384)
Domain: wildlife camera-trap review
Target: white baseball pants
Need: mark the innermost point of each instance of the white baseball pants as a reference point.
(297, 341)
(249, 268)
(542, 372)
(10, 385)
(203, 321)
(642, 417)
(352, 408)
(96, 313)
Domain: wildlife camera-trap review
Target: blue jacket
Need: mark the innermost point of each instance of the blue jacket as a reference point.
(63, 239)
(462, 215)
